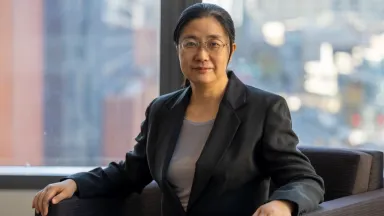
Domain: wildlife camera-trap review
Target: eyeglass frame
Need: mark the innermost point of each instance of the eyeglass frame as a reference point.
(199, 45)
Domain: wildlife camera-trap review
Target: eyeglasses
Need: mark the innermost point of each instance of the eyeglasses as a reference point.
(212, 46)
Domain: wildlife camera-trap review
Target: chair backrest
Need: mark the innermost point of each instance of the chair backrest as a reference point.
(346, 171)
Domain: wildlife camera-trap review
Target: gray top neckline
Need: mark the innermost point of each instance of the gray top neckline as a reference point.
(199, 123)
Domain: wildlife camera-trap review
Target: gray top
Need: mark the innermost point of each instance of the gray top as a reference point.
(192, 138)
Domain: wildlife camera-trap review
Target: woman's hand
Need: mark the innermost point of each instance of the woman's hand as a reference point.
(275, 208)
(55, 192)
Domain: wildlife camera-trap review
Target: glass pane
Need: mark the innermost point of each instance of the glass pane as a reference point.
(75, 79)
(325, 57)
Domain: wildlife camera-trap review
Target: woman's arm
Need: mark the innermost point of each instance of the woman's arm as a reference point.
(290, 170)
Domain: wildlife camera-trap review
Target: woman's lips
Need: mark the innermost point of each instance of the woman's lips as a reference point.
(202, 69)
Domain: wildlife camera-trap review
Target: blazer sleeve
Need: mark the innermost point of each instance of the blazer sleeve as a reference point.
(118, 179)
(290, 170)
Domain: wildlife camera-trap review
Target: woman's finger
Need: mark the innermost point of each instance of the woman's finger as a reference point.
(35, 200)
(47, 198)
(40, 202)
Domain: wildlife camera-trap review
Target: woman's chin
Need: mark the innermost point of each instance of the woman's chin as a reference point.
(203, 81)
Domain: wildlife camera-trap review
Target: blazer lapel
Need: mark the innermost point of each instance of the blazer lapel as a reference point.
(169, 130)
(220, 138)
(224, 129)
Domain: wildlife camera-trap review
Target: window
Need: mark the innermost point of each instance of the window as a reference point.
(75, 79)
(327, 61)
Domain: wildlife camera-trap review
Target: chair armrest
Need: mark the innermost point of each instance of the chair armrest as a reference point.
(86, 207)
(369, 203)
(148, 203)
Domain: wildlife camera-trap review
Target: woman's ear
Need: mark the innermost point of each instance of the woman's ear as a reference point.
(177, 49)
(234, 46)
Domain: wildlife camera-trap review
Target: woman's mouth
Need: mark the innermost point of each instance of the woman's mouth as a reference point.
(202, 69)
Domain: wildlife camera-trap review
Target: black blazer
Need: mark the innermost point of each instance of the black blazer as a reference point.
(250, 143)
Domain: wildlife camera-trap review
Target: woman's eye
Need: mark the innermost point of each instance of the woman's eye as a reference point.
(214, 44)
(190, 44)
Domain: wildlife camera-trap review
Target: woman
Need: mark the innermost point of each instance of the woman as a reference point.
(212, 146)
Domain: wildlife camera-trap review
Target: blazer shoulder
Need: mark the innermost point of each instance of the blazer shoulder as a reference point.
(162, 100)
(266, 98)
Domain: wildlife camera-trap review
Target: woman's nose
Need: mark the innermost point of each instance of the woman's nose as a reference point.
(202, 54)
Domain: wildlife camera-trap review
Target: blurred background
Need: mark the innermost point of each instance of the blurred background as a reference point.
(75, 79)
(77, 75)
(325, 57)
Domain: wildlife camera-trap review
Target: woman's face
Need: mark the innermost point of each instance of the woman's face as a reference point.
(204, 51)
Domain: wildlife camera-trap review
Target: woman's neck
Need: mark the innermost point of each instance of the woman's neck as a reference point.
(206, 95)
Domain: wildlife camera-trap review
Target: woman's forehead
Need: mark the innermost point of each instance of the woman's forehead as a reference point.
(207, 27)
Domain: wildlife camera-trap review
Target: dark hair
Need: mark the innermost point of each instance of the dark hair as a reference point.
(201, 10)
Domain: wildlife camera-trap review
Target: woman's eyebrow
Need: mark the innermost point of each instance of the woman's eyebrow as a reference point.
(212, 36)
(189, 37)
